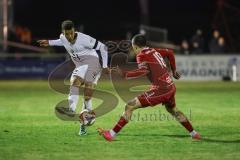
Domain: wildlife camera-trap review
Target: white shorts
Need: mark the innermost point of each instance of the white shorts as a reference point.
(88, 75)
(89, 69)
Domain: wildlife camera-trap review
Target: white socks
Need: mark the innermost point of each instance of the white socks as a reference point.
(73, 100)
(73, 97)
(193, 133)
(113, 134)
(87, 105)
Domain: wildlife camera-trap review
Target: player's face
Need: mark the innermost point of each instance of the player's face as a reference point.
(69, 34)
(135, 48)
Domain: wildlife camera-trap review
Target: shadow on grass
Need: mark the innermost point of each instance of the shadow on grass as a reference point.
(176, 136)
(205, 139)
(220, 141)
(208, 140)
(155, 135)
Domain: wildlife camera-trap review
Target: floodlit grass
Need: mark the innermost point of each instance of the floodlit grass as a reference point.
(30, 130)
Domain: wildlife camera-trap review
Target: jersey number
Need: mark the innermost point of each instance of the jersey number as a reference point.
(159, 59)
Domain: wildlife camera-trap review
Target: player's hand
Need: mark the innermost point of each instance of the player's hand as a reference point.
(43, 43)
(117, 70)
(106, 70)
(176, 75)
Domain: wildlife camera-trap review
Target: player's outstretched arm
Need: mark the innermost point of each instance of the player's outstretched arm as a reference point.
(46, 43)
(130, 74)
(43, 43)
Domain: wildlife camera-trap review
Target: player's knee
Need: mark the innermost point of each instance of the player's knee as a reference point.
(132, 102)
(170, 108)
(76, 81)
(129, 107)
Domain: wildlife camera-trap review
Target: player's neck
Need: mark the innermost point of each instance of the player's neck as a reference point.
(142, 48)
(75, 38)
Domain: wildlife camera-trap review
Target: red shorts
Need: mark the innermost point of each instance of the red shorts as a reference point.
(155, 96)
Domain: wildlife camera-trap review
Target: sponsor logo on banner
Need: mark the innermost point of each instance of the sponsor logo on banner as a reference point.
(207, 67)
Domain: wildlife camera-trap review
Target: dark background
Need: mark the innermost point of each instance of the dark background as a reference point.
(111, 19)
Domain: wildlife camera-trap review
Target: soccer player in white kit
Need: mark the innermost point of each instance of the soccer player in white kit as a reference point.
(90, 58)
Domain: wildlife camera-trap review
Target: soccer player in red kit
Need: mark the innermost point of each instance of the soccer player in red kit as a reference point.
(151, 63)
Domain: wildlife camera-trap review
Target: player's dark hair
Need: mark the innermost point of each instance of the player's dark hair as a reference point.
(67, 25)
(139, 40)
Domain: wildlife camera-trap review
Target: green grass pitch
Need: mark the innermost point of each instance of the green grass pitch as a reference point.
(30, 130)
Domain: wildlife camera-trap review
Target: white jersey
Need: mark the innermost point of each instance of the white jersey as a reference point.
(83, 46)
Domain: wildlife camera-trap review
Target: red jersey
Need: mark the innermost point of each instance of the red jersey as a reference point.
(151, 63)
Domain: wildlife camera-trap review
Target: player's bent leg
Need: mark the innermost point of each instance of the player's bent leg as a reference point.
(176, 113)
(91, 77)
(181, 118)
(130, 107)
(76, 81)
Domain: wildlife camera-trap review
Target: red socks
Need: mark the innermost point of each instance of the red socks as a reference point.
(187, 125)
(121, 123)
